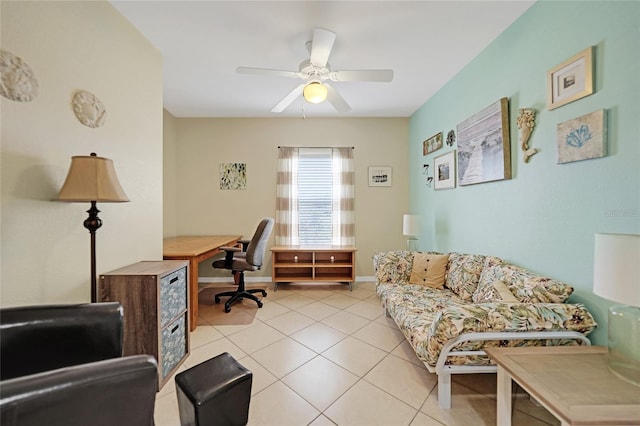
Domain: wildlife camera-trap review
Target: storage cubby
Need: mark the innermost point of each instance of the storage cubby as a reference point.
(318, 263)
(154, 296)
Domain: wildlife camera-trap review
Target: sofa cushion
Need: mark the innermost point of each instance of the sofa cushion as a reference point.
(429, 269)
(394, 266)
(429, 318)
(525, 285)
(463, 273)
(460, 319)
(497, 291)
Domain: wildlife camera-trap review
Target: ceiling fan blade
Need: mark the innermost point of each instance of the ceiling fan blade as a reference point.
(321, 46)
(287, 100)
(363, 75)
(336, 100)
(266, 71)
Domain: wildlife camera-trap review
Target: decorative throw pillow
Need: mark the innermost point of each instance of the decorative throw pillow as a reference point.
(525, 285)
(429, 269)
(464, 273)
(497, 291)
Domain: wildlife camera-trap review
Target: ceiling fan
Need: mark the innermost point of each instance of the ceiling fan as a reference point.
(315, 74)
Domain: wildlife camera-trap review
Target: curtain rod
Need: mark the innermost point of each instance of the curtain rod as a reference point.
(316, 147)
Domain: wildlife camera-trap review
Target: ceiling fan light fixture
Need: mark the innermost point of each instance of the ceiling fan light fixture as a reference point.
(315, 92)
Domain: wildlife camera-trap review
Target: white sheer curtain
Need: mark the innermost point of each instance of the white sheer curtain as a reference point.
(287, 226)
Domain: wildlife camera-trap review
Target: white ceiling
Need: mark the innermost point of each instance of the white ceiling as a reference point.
(202, 42)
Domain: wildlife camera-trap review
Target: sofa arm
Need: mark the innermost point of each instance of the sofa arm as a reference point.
(507, 317)
(119, 391)
(41, 338)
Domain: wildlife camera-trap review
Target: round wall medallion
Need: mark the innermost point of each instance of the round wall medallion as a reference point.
(17, 81)
(88, 108)
(451, 137)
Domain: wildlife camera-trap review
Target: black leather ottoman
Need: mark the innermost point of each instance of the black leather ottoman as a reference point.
(215, 392)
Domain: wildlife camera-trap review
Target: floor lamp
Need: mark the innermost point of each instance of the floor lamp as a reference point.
(616, 277)
(92, 179)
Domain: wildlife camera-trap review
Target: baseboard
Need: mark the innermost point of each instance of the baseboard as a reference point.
(248, 279)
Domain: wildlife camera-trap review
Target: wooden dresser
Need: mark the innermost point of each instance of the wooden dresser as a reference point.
(154, 296)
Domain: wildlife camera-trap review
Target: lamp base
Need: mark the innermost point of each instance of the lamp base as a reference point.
(624, 342)
(412, 244)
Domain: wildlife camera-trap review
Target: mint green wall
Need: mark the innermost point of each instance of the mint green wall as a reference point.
(546, 216)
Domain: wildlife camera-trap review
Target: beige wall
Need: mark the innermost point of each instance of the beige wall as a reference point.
(169, 175)
(203, 208)
(72, 46)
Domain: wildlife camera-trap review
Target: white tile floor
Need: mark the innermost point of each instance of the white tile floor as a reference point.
(324, 355)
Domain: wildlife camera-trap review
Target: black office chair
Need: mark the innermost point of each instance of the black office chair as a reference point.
(239, 261)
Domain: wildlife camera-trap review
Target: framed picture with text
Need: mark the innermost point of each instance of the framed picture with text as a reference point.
(432, 144)
(380, 176)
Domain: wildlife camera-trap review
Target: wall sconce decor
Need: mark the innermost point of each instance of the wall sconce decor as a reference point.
(526, 121)
(425, 171)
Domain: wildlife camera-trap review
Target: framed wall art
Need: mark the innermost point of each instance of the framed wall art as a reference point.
(570, 80)
(444, 171)
(432, 144)
(582, 138)
(380, 176)
(484, 151)
(233, 176)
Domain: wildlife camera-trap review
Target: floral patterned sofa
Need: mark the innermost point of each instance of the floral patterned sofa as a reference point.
(476, 301)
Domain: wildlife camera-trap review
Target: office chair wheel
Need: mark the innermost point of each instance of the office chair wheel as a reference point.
(217, 299)
(259, 304)
(227, 309)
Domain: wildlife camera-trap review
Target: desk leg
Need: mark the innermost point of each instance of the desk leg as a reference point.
(193, 293)
(503, 414)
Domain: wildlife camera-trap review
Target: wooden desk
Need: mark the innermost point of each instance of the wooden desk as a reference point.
(195, 249)
(572, 382)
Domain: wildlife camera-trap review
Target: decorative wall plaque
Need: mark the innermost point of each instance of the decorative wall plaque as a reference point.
(17, 80)
(88, 109)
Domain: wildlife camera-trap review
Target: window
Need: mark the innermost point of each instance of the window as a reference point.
(315, 196)
(315, 189)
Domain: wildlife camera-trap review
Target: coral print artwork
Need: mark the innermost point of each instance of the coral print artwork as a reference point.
(582, 138)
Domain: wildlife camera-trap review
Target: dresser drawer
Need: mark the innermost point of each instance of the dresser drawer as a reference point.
(173, 295)
(174, 344)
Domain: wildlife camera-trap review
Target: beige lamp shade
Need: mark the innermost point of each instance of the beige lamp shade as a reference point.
(410, 225)
(616, 268)
(92, 178)
(314, 92)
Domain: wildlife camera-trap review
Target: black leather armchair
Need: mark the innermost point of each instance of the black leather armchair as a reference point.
(63, 365)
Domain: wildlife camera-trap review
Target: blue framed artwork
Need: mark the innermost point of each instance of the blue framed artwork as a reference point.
(582, 138)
